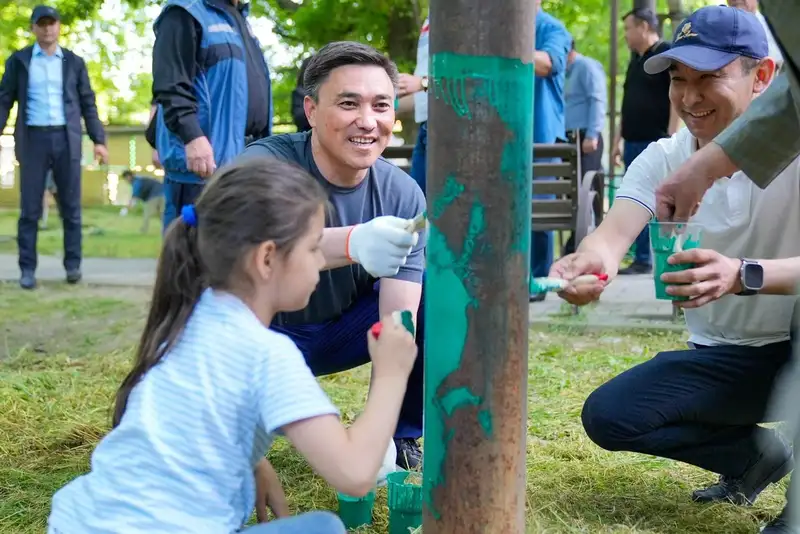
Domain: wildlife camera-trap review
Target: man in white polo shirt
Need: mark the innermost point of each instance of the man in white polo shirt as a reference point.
(703, 406)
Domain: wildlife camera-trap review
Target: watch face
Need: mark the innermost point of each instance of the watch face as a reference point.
(753, 276)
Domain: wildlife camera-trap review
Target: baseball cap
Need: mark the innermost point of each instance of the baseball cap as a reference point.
(42, 12)
(712, 37)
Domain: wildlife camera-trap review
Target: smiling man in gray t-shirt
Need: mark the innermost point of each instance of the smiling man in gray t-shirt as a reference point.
(374, 265)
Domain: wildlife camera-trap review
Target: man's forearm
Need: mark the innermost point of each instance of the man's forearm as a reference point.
(597, 244)
(781, 277)
(334, 247)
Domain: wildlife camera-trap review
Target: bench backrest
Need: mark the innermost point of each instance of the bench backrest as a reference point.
(560, 178)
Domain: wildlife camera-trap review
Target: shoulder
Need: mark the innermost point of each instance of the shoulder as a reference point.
(661, 46)
(546, 20)
(287, 147)
(659, 160)
(594, 65)
(402, 194)
(71, 56)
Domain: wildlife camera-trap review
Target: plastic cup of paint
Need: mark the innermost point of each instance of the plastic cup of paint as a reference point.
(405, 501)
(667, 238)
(356, 512)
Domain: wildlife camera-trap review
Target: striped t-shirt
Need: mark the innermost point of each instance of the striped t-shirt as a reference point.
(182, 458)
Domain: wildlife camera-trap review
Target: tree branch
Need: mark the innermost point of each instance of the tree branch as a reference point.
(287, 5)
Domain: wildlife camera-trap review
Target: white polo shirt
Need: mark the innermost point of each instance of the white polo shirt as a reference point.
(739, 220)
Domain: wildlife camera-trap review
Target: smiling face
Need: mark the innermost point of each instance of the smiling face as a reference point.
(708, 102)
(353, 116)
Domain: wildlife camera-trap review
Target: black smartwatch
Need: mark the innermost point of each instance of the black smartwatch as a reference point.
(751, 276)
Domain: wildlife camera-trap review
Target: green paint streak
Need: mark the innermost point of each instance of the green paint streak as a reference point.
(461, 82)
(457, 398)
(452, 190)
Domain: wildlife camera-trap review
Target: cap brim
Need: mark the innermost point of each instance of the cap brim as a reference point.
(696, 57)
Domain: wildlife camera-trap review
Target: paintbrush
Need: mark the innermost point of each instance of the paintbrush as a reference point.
(418, 223)
(543, 285)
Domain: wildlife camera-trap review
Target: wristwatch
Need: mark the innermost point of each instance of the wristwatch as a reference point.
(751, 276)
(424, 83)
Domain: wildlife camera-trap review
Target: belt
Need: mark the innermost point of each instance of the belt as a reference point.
(47, 128)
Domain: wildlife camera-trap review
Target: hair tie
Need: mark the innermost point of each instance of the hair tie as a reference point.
(189, 215)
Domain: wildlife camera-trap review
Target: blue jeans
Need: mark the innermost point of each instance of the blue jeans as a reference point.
(542, 242)
(308, 523)
(176, 196)
(630, 152)
(419, 158)
(341, 344)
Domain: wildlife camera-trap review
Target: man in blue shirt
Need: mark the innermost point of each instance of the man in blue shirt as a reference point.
(553, 42)
(51, 86)
(585, 101)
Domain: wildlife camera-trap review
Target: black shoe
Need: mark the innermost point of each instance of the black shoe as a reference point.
(74, 276)
(409, 455)
(538, 297)
(27, 280)
(744, 491)
(637, 268)
(781, 525)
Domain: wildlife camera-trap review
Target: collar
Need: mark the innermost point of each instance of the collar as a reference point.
(37, 51)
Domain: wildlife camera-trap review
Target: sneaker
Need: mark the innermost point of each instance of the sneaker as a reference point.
(744, 491)
(27, 280)
(636, 268)
(781, 525)
(74, 276)
(409, 455)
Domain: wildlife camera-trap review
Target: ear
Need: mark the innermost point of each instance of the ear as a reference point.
(310, 107)
(765, 72)
(264, 258)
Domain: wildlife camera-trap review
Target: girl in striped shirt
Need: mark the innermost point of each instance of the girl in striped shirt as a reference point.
(212, 384)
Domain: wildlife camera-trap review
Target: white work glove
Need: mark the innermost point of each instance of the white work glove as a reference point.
(381, 245)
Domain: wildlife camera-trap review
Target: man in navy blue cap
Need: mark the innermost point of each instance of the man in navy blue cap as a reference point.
(703, 406)
(51, 86)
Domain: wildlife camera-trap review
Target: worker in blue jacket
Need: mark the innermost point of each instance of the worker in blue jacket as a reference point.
(212, 92)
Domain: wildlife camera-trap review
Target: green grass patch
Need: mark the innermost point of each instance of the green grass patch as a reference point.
(55, 405)
(106, 234)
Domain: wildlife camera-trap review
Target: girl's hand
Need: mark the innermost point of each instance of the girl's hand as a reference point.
(269, 492)
(394, 352)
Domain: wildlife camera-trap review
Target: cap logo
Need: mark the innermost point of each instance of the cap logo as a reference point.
(686, 31)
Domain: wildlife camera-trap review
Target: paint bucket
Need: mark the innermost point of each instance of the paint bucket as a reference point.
(356, 512)
(667, 238)
(405, 503)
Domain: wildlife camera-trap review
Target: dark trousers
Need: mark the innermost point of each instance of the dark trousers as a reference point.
(419, 158)
(341, 344)
(630, 152)
(176, 196)
(48, 149)
(701, 406)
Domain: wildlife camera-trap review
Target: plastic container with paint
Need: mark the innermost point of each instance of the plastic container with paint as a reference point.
(356, 512)
(405, 501)
(667, 238)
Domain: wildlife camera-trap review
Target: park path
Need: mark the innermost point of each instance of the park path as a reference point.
(629, 302)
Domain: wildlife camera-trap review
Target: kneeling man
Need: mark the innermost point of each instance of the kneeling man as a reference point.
(703, 406)
(374, 264)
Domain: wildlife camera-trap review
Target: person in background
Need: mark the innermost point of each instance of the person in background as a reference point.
(585, 103)
(762, 143)
(647, 115)
(298, 95)
(212, 89)
(417, 85)
(752, 7)
(374, 263)
(148, 191)
(51, 86)
(553, 43)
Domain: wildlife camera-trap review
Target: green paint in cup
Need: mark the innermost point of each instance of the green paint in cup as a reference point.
(667, 238)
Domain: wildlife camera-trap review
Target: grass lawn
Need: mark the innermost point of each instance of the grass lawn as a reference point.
(65, 350)
(105, 234)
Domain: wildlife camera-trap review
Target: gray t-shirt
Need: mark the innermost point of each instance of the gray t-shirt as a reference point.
(386, 190)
